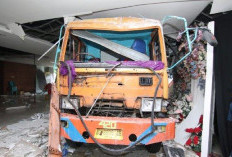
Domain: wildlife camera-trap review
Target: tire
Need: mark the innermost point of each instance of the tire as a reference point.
(153, 148)
(73, 143)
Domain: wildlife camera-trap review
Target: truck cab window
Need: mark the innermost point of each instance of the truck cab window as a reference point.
(155, 51)
(84, 49)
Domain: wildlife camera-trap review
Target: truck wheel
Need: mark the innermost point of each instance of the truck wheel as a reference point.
(153, 148)
(73, 143)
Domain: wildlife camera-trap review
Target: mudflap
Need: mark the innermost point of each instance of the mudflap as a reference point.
(54, 145)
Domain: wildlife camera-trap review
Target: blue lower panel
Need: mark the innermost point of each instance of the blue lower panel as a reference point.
(72, 132)
(147, 131)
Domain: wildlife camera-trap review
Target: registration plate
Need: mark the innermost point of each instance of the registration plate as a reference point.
(113, 134)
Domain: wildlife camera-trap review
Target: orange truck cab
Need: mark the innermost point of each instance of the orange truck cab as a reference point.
(114, 62)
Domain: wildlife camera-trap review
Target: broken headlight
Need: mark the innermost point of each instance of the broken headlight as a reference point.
(66, 105)
(147, 105)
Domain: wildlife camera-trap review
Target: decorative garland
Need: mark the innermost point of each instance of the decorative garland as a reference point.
(193, 67)
(181, 108)
(194, 141)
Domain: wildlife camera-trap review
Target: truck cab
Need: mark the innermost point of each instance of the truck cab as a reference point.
(114, 64)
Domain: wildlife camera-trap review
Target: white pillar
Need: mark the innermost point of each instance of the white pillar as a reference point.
(206, 143)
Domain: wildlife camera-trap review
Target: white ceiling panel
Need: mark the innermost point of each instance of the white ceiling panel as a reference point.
(29, 44)
(24, 11)
(189, 10)
(221, 6)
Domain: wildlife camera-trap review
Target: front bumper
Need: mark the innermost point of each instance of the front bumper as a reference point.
(75, 131)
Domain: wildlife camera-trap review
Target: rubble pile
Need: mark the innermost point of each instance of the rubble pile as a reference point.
(25, 138)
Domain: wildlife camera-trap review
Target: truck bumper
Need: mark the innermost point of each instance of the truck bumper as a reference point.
(115, 130)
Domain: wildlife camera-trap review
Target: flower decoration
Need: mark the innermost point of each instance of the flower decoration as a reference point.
(201, 119)
(194, 141)
(188, 143)
(193, 67)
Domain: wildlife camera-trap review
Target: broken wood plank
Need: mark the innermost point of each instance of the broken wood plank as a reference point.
(54, 125)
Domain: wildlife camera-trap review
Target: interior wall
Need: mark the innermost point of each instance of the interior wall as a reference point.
(23, 75)
(1, 77)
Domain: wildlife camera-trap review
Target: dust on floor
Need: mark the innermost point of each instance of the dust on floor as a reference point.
(28, 137)
(24, 131)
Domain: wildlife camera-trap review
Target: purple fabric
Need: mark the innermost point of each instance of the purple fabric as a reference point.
(155, 65)
(64, 69)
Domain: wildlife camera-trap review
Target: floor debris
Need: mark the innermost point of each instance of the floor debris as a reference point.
(173, 149)
(29, 135)
(37, 116)
(29, 150)
(18, 107)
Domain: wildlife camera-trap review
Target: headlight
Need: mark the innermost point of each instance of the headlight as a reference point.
(66, 105)
(147, 105)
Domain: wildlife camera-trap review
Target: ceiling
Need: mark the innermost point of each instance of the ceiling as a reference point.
(33, 26)
(221, 6)
(46, 29)
(25, 11)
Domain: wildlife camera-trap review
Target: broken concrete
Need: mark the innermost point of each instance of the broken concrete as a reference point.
(173, 149)
(23, 148)
(23, 130)
(28, 137)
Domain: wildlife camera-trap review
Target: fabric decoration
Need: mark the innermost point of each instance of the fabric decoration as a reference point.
(155, 65)
(64, 69)
(194, 142)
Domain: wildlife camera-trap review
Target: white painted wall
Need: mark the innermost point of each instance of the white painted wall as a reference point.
(193, 117)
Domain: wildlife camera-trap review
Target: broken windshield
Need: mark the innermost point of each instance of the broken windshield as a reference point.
(103, 46)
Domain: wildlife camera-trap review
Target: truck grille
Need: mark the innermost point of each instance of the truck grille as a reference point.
(111, 108)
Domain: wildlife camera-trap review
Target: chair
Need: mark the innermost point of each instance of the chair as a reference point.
(13, 88)
(139, 45)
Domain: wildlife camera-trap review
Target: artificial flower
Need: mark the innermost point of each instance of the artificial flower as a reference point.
(189, 130)
(196, 140)
(198, 153)
(197, 130)
(189, 141)
(201, 119)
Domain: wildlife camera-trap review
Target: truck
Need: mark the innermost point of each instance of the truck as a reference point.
(111, 86)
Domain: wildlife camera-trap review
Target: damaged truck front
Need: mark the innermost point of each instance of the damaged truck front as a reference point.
(113, 83)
